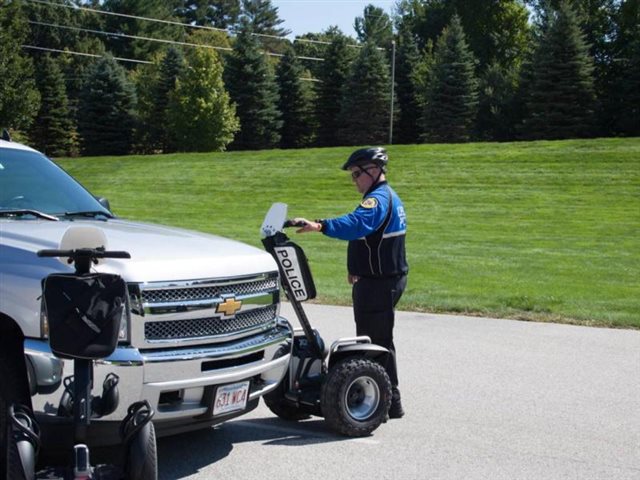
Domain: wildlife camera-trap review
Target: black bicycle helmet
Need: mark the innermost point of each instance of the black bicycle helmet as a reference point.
(363, 156)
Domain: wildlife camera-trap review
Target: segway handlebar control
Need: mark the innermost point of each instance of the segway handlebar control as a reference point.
(84, 252)
(293, 223)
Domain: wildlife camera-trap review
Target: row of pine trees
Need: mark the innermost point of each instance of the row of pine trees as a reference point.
(464, 70)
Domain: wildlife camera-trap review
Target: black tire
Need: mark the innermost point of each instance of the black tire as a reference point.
(356, 396)
(275, 399)
(14, 470)
(142, 455)
(23, 443)
(277, 403)
(13, 390)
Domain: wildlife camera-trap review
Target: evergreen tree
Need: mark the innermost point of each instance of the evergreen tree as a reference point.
(106, 111)
(53, 133)
(317, 48)
(621, 97)
(295, 103)
(628, 121)
(332, 78)
(155, 84)
(262, 17)
(374, 26)
(596, 19)
(452, 96)
(201, 116)
(134, 25)
(171, 69)
(560, 103)
(496, 109)
(253, 89)
(212, 13)
(366, 99)
(422, 76)
(41, 34)
(146, 78)
(19, 97)
(496, 31)
(407, 62)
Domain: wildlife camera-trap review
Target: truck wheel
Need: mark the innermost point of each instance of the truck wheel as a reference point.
(142, 455)
(277, 403)
(356, 396)
(275, 399)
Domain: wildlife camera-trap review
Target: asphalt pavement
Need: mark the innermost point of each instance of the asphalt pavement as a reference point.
(485, 399)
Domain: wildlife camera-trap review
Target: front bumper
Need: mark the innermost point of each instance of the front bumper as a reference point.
(178, 383)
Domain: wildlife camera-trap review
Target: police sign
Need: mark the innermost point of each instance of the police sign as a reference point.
(290, 267)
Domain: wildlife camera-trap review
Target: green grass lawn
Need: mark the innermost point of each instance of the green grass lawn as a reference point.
(546, 231)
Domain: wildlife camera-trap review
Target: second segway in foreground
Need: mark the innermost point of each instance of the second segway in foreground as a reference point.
(345, 383)
(84, 310)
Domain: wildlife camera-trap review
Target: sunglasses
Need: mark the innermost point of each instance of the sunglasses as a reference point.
(356, 173)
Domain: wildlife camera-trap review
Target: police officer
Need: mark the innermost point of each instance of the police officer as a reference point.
(376, 259)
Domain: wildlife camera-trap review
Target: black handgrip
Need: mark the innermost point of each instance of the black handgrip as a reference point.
(55, 253)
(95, 253)
(116, 254)
(292, 223)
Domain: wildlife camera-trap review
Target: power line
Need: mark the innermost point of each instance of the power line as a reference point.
(160, 40)
(170, 22)
(137, 37)
(71, 52)
(124, 35)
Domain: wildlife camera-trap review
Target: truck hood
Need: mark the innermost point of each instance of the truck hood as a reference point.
(158, 253)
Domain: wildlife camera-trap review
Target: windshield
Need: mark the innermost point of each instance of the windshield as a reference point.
(29, 180)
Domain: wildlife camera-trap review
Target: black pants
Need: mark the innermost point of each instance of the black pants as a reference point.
(374, 301)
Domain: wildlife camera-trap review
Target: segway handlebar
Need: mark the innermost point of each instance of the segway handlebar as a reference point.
(84, 257)
(292, 223)
(84, 252)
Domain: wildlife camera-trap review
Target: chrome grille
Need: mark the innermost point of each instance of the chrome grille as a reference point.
(204, 292)
(210, 326)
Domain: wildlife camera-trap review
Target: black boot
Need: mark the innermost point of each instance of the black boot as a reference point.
(396, 410)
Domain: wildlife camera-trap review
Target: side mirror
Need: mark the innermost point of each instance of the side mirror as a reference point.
(104, 202)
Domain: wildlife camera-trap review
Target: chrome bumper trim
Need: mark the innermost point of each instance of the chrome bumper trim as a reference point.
(234, 349)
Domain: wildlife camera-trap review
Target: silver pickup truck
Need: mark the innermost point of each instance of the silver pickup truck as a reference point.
(203, 328)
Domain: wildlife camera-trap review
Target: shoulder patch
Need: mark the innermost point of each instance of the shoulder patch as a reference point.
(369, 202)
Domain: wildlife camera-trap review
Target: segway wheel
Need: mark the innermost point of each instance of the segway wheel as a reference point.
(356, 396)
(142, 455)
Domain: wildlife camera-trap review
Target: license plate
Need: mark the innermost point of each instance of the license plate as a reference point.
(230, 398)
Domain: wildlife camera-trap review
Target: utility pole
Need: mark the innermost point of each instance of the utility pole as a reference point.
(393, 84)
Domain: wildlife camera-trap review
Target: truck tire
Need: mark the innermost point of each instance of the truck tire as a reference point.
(278, 404)
(275, 400)
(356, 396)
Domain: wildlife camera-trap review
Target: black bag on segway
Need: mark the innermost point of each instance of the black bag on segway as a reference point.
(84, 313)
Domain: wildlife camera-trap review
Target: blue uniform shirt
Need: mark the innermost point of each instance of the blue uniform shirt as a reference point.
(376, 233)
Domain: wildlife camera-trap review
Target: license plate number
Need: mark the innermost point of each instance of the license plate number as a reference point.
(230, 398)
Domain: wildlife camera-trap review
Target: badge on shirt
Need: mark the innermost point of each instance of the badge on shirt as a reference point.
(370, 202)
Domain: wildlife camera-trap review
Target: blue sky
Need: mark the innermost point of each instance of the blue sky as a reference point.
(303, 16)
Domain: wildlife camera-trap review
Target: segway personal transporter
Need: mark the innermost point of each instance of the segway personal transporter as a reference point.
(84, 310)
(346, 383)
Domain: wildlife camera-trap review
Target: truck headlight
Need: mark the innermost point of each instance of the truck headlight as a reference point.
(44, 321)
(123, 333)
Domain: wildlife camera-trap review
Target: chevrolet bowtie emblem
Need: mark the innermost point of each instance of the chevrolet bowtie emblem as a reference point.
(229, 306)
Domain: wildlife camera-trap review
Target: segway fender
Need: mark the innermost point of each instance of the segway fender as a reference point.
(366, 350)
